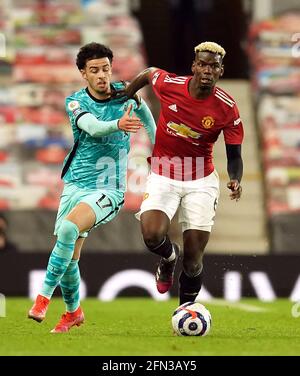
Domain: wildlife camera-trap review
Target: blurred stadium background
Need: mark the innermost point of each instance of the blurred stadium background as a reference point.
(255, 246)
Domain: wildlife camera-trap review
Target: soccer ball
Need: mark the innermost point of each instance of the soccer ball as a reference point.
(191, 319)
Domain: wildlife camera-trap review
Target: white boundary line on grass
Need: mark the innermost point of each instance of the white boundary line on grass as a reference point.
(237, 305)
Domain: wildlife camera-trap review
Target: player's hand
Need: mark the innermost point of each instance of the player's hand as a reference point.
(236, 189)
(129, 123)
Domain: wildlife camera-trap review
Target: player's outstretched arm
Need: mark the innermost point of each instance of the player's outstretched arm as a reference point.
(235, 170)
(96, 128)
(141, 80)
(144, 113)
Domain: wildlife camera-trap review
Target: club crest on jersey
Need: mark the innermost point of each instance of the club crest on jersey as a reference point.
(208, 122)
(183, 130)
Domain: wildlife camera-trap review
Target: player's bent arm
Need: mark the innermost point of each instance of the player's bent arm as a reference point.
(234, 162)
(96, 128)
(141, 80)
(147, 119)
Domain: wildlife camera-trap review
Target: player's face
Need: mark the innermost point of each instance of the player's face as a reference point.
(97, 73)
(207, 69)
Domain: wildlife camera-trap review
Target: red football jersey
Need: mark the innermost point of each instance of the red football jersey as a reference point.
(188, 128)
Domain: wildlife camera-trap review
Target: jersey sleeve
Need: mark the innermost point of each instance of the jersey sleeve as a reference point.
(234, 131)
(158, 81)
(75, 109)
(144, 113)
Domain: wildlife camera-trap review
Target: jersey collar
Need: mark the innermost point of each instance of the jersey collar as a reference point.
(96, 99)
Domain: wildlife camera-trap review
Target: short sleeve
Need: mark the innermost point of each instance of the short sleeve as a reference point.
(234, 131)
(158, 81)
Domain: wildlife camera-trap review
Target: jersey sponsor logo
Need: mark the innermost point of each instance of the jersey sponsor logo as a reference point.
(183, 130)
(237, 122)
(173, 107)
(179, 80)
(155, 77)
(208, 122)
(73, 105)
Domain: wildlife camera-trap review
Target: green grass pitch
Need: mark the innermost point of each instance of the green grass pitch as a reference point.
(142, 326)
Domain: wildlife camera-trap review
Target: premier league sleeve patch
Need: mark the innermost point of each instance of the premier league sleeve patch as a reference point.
(74, 107)
(155, 77)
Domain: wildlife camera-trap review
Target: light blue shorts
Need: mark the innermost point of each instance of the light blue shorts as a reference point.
(105, 204)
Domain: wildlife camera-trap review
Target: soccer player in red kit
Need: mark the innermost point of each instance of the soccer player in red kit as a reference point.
(193, 113)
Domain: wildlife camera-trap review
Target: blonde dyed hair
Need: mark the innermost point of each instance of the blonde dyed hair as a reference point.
(210, 47)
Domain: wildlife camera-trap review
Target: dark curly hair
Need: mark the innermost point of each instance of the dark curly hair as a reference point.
(92, 51)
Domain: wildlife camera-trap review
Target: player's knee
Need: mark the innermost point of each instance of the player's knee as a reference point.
(192, 269)
(153, 238)
(68, 232)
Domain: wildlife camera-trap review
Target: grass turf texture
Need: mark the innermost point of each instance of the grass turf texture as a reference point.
(141, 326)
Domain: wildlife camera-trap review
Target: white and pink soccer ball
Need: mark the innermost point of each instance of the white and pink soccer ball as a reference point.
(191, 319)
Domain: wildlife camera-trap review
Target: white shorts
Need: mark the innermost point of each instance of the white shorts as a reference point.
(196, 199)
